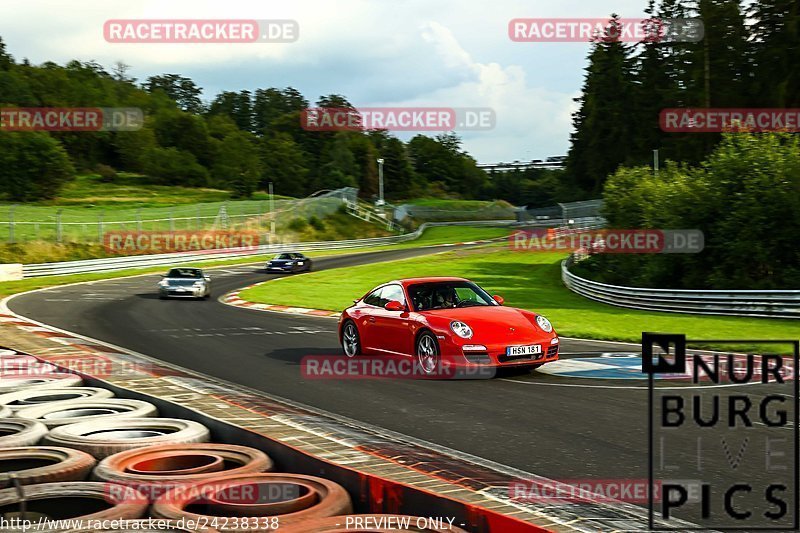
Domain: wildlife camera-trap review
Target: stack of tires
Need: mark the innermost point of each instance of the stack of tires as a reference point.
(69, 452)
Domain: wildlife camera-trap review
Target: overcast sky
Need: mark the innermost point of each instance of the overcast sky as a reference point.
(375, 52)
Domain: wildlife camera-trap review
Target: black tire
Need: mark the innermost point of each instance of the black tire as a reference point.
(428, 354)
(351, 339)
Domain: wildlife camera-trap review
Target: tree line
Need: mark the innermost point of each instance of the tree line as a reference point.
(748, 58)
(239, 141)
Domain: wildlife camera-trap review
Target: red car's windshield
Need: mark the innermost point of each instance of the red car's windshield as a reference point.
(447, 295)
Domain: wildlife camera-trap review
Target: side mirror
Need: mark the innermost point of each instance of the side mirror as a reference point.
(207, 278)
(498, 299)
(394, 305)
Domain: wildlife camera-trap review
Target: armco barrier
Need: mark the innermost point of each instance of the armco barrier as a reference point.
(773, 304)
(142, 261)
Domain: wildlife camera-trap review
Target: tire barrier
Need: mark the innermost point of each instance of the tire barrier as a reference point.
(157, 469)
(42, 464)
(165, 465)
(374, 523)
(255, 495)
(37, 381)
(103, 438)
(16, 432)
(54, 415)
(29, 398)
(79, 500)
(144, 526)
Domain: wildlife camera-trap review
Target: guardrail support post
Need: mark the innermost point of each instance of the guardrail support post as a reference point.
(11, 223)
(59, 228)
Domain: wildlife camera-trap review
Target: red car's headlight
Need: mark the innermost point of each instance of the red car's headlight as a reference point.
(543, 323)
(461, 329)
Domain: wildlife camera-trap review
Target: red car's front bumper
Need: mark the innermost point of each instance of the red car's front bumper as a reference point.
(469, 353)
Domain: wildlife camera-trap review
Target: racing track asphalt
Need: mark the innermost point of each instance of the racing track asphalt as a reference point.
(557, 427)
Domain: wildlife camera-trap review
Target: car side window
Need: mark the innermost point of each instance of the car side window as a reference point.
(374, 298)
(393, 293)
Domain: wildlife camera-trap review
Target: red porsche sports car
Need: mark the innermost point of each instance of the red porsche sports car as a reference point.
(446, 319)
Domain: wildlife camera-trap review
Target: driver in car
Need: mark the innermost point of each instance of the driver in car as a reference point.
(446, 298)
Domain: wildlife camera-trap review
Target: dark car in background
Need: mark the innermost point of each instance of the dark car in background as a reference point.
(291, 262)
(184, 283)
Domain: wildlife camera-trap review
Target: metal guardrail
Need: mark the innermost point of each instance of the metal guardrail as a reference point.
(772, 304)
(143, 261)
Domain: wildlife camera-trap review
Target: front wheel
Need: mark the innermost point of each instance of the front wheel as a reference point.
(428, 355)
(351, 341)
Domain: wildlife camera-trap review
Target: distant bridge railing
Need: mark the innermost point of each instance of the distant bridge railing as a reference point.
(773, 304)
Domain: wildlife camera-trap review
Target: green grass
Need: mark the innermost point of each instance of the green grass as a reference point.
(87, 201)
(441, 203)
(530, 281)
(134, 190)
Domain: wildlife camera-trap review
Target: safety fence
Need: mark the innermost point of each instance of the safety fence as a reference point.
(774, 303)
(24, 223)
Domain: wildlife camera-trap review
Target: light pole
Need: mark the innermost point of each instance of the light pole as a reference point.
(655, 162)
(271, 213)
(380, 182)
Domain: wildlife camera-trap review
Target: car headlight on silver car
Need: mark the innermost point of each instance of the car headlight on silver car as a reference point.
(545, 324)
(461, 329)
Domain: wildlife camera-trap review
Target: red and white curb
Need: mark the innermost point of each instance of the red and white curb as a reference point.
(233, 299)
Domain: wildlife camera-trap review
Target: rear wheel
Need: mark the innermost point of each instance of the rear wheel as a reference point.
(428, 355)
(351, 341)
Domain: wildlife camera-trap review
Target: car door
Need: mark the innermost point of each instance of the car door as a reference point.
(392, 327)
(368, 320)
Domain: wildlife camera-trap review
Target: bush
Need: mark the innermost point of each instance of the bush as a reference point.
(170, 166)
(298, 224)
(106, 173)
(316, 223)
(33, 166)
(745, 198)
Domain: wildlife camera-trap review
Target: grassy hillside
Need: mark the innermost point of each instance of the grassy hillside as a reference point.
(89, 208)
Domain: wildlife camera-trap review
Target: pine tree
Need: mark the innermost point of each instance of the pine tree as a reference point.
(601, 138)
(776, 43)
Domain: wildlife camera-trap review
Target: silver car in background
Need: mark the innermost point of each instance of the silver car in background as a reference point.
(184, 283)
